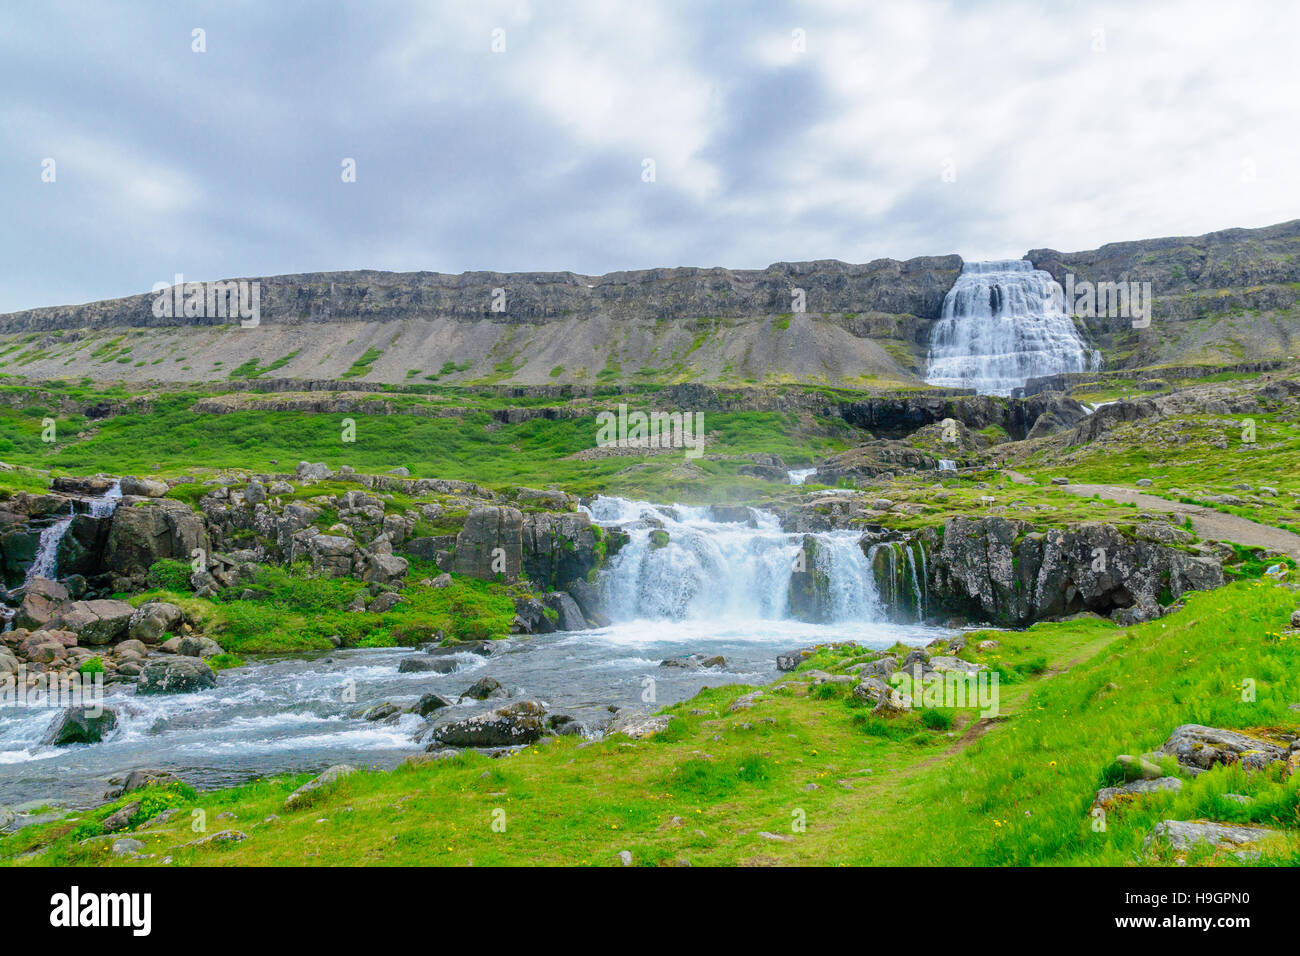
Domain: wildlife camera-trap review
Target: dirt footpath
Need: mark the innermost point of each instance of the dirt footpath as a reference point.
(1207, 523)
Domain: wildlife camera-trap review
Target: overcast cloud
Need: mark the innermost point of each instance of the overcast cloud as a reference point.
(1067, 125)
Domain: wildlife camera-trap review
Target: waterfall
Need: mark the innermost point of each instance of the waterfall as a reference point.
(682, 563)
(916, 583)
(45, 564)
(947, 464)
(1003, 323)
(799, 475)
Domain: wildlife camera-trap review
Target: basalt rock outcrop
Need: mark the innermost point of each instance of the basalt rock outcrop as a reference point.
(143, 533)
(1004, 571)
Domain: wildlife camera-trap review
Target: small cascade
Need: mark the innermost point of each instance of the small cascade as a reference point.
(799, 475)
(681, 563)
(947, 464)
(916, 584)
(45, 564)
(1004, 323)
(900, 572)
(47, 551)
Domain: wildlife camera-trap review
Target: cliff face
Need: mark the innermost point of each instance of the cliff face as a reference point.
(1225, 297)
(915, 287)
(860, 324)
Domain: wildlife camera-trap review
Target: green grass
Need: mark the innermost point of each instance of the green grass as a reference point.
(301, 611)
(869, 791)
(361, 367)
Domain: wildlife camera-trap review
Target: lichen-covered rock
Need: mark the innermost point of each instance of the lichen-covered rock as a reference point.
(176, 675)
(1183, 835)
(517, 724)
(151, 621)
(637, 725)
(1109, 796)
(1199, 748)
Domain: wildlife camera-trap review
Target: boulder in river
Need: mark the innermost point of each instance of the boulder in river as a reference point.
(176, 675)
(80, 725)
(485, 687)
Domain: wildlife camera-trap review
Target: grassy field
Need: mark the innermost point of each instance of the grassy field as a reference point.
(943, 790)
(167, 437)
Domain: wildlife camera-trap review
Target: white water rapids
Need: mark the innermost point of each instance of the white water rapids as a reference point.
(1003, 324)
(716, 587)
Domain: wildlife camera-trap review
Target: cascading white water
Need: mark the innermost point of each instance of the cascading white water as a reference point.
(1003, 323)
(799, 475)
(45, 564)
(713, 570)
(947, 464)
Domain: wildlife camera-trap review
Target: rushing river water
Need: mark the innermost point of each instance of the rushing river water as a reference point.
(716, 587)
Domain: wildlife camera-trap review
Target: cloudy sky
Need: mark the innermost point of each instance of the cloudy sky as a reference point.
(800, 130)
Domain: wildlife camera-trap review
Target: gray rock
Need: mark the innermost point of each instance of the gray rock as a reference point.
(198, 647)
(176, 675)
(483, 688)
(142, 534)
(313, 790)
(429, 703)
(1107, 796)
(151, 621)
(317, 471)
(1184, 835)
(384, 602)
(80, 725)
(493, 534)
(791, 659)
(417, 664)
(514, 725)
(1008, 572)
(95, 622)
(143, 487)
(127, 847)
(638, 725)
(569, 614)
(1200, 748)
(121, 819)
